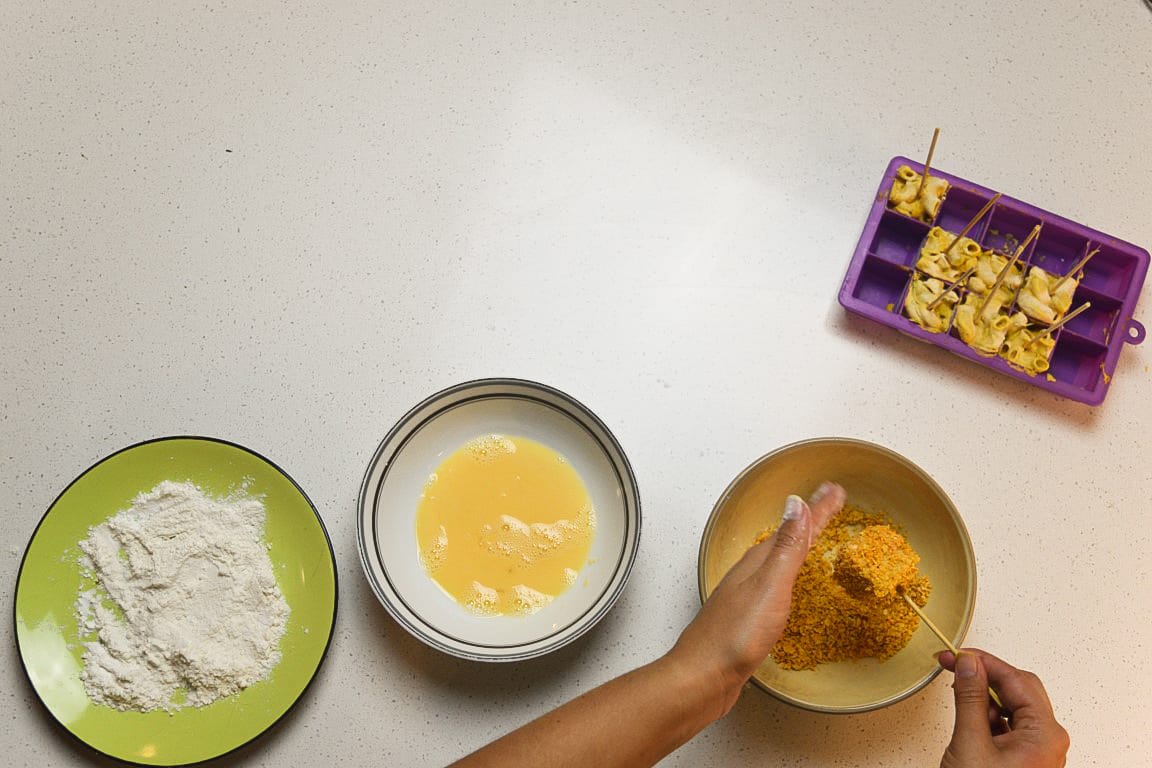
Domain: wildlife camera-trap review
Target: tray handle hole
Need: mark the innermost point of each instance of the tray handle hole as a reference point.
(1136, 333)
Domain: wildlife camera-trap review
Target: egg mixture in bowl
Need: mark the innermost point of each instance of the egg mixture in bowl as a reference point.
(499, 520)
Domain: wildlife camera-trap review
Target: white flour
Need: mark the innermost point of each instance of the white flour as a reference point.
(186, 608)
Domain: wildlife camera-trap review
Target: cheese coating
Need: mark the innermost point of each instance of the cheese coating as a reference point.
(922, 292)
(939, 258)
(988, 268)
(1038, 300)
(908, 198)
(1025, 352)
(988, 332)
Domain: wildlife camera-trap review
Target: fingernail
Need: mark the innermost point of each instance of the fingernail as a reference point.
(824, 489)
(966, 665)
(793, 508)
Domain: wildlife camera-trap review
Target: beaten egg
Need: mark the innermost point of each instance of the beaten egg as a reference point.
(504, 525)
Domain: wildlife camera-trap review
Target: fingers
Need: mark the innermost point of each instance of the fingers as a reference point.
(789, 546)
(996, 714)
(1021, 692)
(971, 692)
(751, 560)
(827, 500)
(824, 503)
(1018, 689)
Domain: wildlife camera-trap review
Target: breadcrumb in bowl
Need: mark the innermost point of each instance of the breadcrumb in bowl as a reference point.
(883, 488)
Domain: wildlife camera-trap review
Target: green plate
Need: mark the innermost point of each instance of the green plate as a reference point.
(46, 630)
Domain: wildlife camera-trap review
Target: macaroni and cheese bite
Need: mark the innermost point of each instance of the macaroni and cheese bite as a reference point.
(1042, 300)
(987, 332)
(909, 198)
(876, 562)
(940, 258)
(1028, 349)
(922, 292)
(830, 623)
(989, 266)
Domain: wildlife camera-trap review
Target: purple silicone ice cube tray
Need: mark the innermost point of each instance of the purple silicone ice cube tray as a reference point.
(1086, 348)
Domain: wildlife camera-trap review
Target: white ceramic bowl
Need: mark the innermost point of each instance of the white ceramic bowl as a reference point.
(386, 525)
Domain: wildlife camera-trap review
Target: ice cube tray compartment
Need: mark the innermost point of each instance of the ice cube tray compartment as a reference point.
(898, 238)
(881, 284)
(1008, 227)
(1059, 248)
(1112, 271)
(1098, 322)
(958, 208)
(1078, 362)
(1086, 348)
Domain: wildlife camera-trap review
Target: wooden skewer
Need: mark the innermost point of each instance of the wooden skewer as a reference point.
(1079, 266)
(932, 304)
(1048, 331)
(999, 281)
(947, 643)
(964, 232)
(1004, 272)
(1031, 236)
(927, 163)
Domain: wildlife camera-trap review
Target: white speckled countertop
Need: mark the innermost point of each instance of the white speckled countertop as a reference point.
(283, 224)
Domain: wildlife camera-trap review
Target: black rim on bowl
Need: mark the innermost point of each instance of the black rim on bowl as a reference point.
(407, 614)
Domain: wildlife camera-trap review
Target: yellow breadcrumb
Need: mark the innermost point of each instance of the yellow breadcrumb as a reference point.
(876, 562)
(827, 623)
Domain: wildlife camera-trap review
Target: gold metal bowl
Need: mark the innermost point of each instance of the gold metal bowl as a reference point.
(876, 479)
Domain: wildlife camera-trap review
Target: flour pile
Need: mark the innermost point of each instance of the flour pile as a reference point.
(185, 608)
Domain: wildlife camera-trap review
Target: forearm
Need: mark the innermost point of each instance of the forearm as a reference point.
(634, 720)
(638, 718)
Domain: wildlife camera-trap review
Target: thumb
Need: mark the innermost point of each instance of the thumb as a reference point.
(791, 543)
(971, 691)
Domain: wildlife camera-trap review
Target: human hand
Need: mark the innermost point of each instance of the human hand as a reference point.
(746, 613)
(980, 738)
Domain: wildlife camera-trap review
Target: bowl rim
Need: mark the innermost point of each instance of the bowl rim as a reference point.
(572, 409)
(966, 540)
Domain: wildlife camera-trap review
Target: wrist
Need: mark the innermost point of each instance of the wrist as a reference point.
(710, 689)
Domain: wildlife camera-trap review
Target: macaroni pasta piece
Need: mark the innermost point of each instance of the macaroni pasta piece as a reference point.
(1026, 352)
(960, 259)
(909, 199)
(988, 269)
(922, 292)
(987, 333)
(1039, 302)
